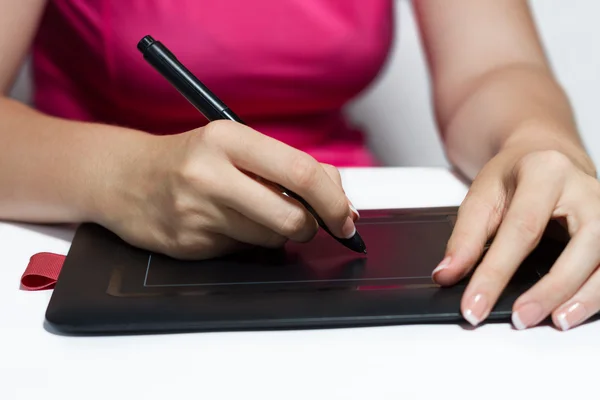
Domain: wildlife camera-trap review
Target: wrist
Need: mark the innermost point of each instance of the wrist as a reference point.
(541, 135)
(518, 107)
(120, 176)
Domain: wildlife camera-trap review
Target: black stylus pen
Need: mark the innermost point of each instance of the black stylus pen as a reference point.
(157, 55)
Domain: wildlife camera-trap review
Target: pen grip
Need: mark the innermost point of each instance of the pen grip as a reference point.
(352, 243)
(308, 207)
(287, 192)
(213, 109)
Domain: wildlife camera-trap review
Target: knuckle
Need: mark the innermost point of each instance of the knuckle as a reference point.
(185, 242)
(528, 227)
(555, 160)
(293, 223)
(275, 240)
(333, 172)
(188, 171)
(550, 162)
(475, 204)
(216, 131)
(193, 246)
(184, 245)
(340, 209)
(556, 288)
(304, 171)
(203, 180)
(592, 228)
(495, 275)
(182, 206)
(471, 251)
(309, 235)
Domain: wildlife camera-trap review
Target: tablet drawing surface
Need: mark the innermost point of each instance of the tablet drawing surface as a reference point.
(108, 286)
(321, 264)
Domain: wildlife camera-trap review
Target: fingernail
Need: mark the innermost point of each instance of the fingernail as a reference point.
(443, 265)
(527, 315)
(348, 230)
(354, 210)
(571, 316)
(476, 308)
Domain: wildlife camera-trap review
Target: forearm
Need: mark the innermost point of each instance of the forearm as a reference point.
(517, 107)
(54, 170)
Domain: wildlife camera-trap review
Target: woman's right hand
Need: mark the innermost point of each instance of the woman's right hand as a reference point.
(192, 195)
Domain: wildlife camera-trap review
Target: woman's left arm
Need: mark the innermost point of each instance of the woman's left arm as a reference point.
(507, 124)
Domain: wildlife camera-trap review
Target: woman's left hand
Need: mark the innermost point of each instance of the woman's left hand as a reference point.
(512, 199)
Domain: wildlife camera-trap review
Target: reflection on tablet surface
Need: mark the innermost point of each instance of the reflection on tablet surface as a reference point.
(401, 254)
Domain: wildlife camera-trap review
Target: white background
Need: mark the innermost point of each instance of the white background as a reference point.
(397, 108)
(397, 111)
(412, 362)
(493, 362)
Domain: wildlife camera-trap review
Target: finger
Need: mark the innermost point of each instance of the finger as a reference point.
(277, 162)
(586, 301)
(570, 271)
(335, 176)
(205, 246)
(265, 207)
(478, 218)
(520, 231)
(245, 230)
(582, 306)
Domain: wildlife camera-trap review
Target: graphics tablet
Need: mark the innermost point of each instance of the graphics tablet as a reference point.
(109, 287)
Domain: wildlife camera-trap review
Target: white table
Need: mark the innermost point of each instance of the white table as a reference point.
(423, 362)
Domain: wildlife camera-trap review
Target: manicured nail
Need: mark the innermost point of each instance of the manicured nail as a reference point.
(354, 210)
(443, 265)
(348, 230)
(475, 310)
(571, 316)
(527, 315)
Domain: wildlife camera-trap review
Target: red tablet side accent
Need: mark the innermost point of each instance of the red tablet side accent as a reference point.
(42, 271)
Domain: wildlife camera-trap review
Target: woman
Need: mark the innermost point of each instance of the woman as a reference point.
(288, 67)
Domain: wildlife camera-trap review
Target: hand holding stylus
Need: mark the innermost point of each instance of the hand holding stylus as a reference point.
(209, 105)
(193, 196)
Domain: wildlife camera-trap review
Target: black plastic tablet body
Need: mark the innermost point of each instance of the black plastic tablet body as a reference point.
(109, 287)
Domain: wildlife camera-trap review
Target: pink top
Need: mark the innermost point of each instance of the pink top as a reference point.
(287, 67)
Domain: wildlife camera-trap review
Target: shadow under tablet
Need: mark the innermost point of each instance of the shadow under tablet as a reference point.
(107, 286)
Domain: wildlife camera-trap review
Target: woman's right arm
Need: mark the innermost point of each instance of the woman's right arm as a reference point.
(186, 195)
(51, 170)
